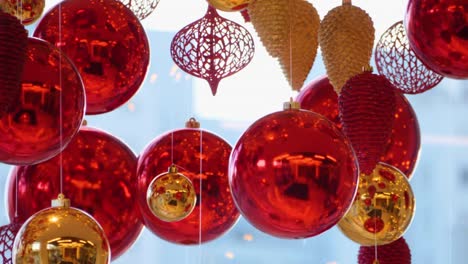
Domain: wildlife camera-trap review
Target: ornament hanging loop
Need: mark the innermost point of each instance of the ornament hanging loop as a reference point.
(192, 123)
(61, 201)
(347, 2)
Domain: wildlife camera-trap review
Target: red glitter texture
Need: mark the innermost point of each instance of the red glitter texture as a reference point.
(367, 111)
(99, 173)
(215, 207)
(397, 252)
(438, 33)
(107, 44)
(49, 111)
(403, 147)
(293, 174)
(212, 48)
(13, 42)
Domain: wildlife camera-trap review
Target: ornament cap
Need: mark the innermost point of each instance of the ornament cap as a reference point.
(61, 201)
(192, 123)
(347, 2)
(291, 105)
(84, 123)
(173, 169)
(367, 68)
(376, 261)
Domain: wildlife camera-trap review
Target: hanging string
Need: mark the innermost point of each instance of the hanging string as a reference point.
(16, 195)
(200, 192)
(291, 82)
(172, 147)
(60, 99)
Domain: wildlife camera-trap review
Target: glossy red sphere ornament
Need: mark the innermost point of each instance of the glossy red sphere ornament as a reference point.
(397, 252)
(141, 8)
(367, 111)
(212, 48)
(438, 34)
(203, 158)
(13, 43)
(396, 60)
(49, 111)
(293, 174)
(99, 173)
(402, 148)
(7, 237)
(106, 42)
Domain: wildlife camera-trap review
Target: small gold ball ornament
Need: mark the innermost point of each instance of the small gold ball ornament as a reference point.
(27, 11)
(383, 209)
(61, 234)
(171, 196)
(229, 5)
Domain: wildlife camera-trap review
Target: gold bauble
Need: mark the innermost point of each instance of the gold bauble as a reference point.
(383, 209)
(27, 11)
(346, 38)
(229, 5)
(61, 234)
(171, 196)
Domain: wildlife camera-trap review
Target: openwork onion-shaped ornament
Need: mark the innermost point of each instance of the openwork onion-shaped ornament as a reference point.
(13, 42)
(346, 37)
(367, 111)
(61, 234)
(397, 252)
(7, 237)
(212, 48)
(141, 8)
(396, 60)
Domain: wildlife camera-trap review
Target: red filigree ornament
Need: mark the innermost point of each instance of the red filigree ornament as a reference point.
(108, 45)
(49, 111)
(438, 34)
(212, 48)
(99, 173)
(293, 174)
(203, 158)
(7, 237)
(396, 60)
(402, 148)
(13, 42)
(397, 252)
(367, 111)
(141, 8)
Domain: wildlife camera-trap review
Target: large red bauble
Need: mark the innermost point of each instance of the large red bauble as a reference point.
(207, 171)
(402, 149)
(99, 175)
(49, 111)
(438, 34)
(397, 252)
(106, 42)
(293, 174)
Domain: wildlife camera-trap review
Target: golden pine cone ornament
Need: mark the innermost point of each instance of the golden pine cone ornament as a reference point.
(299, 54)
(270, 19)
(346, 37)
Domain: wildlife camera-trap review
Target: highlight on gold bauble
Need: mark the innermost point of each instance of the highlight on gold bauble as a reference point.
(229, 5)
(61, 234)
(171, 196)
(27, 11)
(383, 209)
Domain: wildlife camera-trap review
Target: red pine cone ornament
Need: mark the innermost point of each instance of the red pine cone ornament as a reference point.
(13, 42)
(7, 237)
(367, 111)
(397, 252)
(141, 8)
(212, 48)
(397, 61)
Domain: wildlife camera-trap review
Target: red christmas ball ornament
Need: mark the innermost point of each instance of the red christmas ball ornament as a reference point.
(50, 108)
(108, 45)
(396, 60)
(7, 237)
(99, 173)
(13, 42)
(141, 9)
(203, 158)
(402, 148)
(438, 34)
(397, 252)
(367, 111)
(293, 173)
(212, 48)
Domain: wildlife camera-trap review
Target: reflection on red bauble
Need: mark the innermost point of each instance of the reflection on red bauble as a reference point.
(108, 45)
(438, 34)
(402, 149)
(99, 173)
(293, 174)
(210, 179)
(49, 108)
